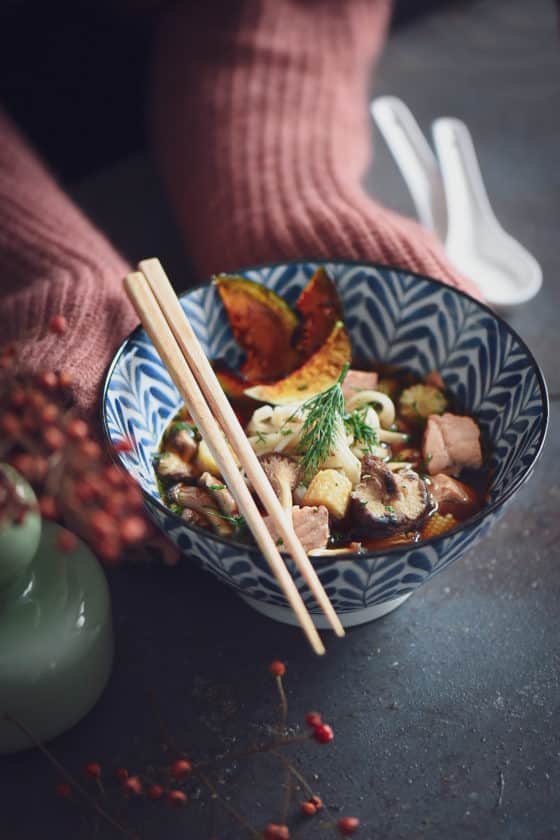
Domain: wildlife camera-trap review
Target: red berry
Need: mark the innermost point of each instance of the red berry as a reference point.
(18, 398)
(133, 785)
(181, 767)
(64, 790)
(177, 797)
(77, 429)
(58, 324)
(348, 825)
(277, 668)
(323, 733)
(317, 801)
(115, 476)
(91, 450)
(49, 413)
(133, 529)
(102, 523)
(276, 832)
(23, 463)
(92, 769)
(37, 400)
(10, 424)
(67, 541)
(85, 491)
(40, 467)
(308, 808)
(121, 774)
(64, 379)
(48, 379)
(155, 792)
(54, 438)
(313, 719)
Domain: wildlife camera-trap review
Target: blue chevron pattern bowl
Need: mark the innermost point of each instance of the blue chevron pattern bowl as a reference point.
(392, 317)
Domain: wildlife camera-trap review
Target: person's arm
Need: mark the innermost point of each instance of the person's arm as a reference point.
(54, 261)
(260, 127)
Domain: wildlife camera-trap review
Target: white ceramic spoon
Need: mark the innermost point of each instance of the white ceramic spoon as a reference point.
(415, 159)
(453, 203)
(506, 273)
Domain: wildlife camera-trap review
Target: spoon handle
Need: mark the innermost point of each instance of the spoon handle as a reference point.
(415, 159)
(468, 206)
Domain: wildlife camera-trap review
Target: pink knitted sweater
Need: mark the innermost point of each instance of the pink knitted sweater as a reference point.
(259, 122)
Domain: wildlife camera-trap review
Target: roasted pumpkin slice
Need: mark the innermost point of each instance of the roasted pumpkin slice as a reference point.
(320, 308)
(263, 325)
(233, 385)
(316, 374)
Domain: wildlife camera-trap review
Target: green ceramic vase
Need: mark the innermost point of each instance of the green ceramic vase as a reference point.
(56, 639)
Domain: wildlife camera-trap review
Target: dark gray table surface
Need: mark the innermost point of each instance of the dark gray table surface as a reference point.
(447, 711)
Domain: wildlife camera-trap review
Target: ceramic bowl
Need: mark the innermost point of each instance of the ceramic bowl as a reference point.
(393, 317)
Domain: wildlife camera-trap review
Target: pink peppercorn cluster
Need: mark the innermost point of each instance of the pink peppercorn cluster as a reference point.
(168, 787)
(132, 785)
(44, 439)
(322, 732)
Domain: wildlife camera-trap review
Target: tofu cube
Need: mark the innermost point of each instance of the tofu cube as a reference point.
(331, 489)
(205, 461)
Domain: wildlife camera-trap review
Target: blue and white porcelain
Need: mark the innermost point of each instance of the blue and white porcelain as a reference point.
(392, 317)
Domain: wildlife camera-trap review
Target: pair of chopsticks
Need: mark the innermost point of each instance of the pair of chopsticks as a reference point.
(169, 329)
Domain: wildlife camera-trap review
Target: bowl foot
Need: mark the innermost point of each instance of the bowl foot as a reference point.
(350, 619)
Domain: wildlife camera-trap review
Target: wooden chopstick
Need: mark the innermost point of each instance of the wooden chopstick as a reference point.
(222, 410)
(153, 321)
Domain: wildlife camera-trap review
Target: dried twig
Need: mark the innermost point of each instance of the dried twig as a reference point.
(70, 779)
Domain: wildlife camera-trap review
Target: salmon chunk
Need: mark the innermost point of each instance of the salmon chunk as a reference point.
(451, 442)
(452, 496)
(311, 525)
(445, 489)
(358, 380)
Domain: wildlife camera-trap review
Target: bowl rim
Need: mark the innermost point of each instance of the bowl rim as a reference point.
(365, 555)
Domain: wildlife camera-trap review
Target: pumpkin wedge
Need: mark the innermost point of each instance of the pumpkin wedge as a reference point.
(317, 373)
(263, 325)
(320, 308)
(233, 385)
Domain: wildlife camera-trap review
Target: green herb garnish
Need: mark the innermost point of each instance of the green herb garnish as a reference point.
(324, 416)
(389, 508)
(302, 387)
(237, 520)
(216, 487)
(182, 426)
(261, 436)
(279, 541)
(360, 430)
(286, 432)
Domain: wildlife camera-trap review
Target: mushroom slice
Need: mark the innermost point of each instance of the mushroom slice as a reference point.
(170, 465)
(193, 517)
(200, 500)
(219, 493)
(386, 501)
(180, 437)
(284, 474)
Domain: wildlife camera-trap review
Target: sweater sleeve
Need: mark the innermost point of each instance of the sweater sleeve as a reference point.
(260, 127)
(54, 261)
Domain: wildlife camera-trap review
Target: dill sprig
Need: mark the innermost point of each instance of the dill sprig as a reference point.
(324, 414)
(360, 430)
